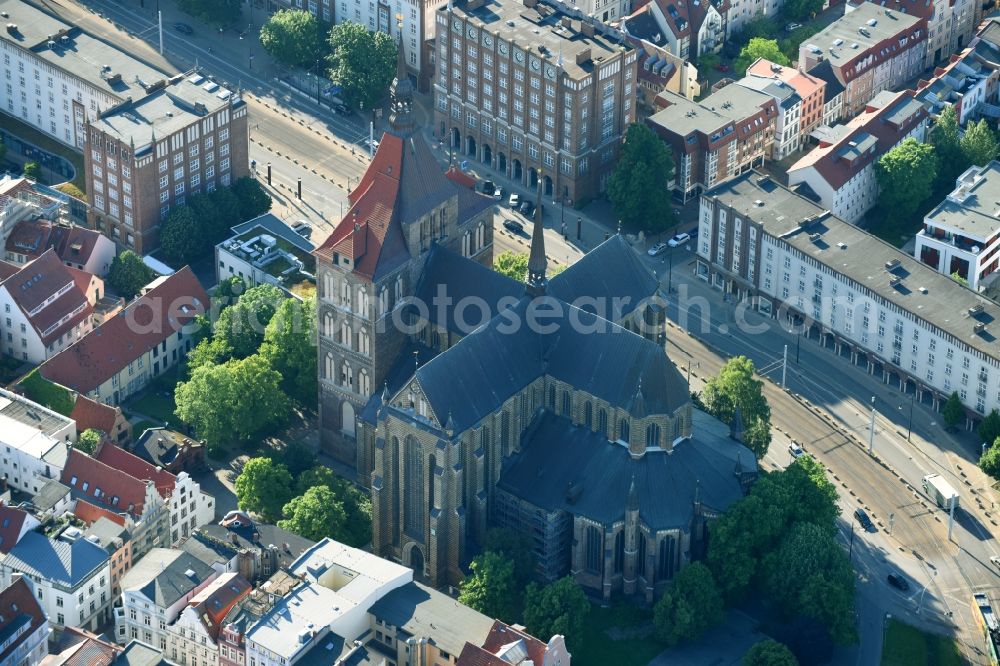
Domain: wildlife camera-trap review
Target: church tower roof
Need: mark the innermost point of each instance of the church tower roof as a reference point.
(536, 260)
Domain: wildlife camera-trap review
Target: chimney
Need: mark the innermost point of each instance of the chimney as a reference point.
(587, 29)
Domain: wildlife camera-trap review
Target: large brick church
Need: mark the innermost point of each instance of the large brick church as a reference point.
(467, 400)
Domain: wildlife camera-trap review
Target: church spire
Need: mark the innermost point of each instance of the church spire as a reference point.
(536, 260)
(401, 120)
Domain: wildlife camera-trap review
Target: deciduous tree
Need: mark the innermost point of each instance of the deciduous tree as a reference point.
(760, 47)
(293, 37)
(290, 345)
(769, 653)
(989, 462)
(953, 411)
(905, 175)
(989, 429)
(491, 587)
(362, 63)
(254, 201)
(512, 264)
(357, 504)
(32, 171)
(558, 608)
(802, 9)
(518, 547)
(244, 324)
(181, 236)
(735, 387)
(128, 274)
(690, 605)
(979, 143)
(944, 136)
(315, 515)
(88, 440)
(638, 186)
(264, 487)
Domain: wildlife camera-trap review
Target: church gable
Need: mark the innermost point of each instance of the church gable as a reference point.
(412, 399)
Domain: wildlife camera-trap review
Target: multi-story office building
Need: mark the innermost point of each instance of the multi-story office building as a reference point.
(532, 92)
(868, 301)
(34, 442)
(55, 75)
(840, 171)
(870, 49)
(723, 135)
(142, 157)
(961, 236)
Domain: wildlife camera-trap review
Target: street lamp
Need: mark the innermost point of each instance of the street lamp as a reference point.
(697, 365)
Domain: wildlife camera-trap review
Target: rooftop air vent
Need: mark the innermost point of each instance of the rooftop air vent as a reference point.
(758, 203)
(979, 327)
(891, 264)
(815, 237)
(842, 245)
(975, 309)
(922, 290)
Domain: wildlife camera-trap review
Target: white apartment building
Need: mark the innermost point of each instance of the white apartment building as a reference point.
(788, 123)
(54, 75)
(841, 169)
(154, 593)
(35, 441)
(872, 303)
(961, 235)
(71, 576)
(742, 12)
(265, 250)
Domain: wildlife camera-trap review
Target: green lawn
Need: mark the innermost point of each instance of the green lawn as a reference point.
(635, 647)
(909, 646)
(158, 400)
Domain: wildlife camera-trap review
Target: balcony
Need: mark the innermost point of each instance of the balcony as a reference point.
(963, 243)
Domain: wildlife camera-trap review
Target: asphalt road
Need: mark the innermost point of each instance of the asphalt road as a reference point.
(832, 424)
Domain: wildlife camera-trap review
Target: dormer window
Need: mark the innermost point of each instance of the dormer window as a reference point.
(85, 486)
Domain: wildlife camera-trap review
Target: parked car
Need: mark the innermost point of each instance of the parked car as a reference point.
(862, 517)
(514, 201)
(657, 249)
(371, 143)
(898, 582)
(722, 67)
(498, 194)
(679, 239)
(514, 227)
(796, 450)
(342, 110)
(793, 26)
(995, 561)
(489, 187)
(527, 208)
(183, 28)
(302, 228)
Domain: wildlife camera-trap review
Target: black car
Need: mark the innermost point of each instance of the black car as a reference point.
(183, 28)
(489, 187)
(898, 582)
(866, 522)
(527, 208)
(514, 227)
(342, 110)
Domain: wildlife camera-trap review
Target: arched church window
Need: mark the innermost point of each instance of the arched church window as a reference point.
(567, 404)
(623, 430)
(602, 421)
(665, 561)
(652, 435)
(413, 487)
(594, 549)
(619, 551)
(588, 414)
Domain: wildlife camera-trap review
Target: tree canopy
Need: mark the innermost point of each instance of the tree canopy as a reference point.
(905, 175)
(690, 605)
(989, 462)
(979, 143)
(290, 346)
(128, 274)
(357, 530)
(637, 188)
(491, 587)
(254, 201)
(953, 411)
(735, 387)
(88, 440)
(315, 515)
(264, 487)
(243, 325)
(512, 264)
(362, 63)
(802, 9)
(181, 236)
(769, 653)
(989, 428)
(518, 546)
(293, 37)
(32, 171)
(759, 47)
(944, 136)
(558, 608)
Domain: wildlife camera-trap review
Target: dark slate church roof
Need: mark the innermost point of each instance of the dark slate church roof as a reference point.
(556, 455)
(472, 379)
(611, 270)
(458, 278)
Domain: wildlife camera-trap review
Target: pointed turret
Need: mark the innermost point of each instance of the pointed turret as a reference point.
(536, 260)
(401, 120)
(633, 496)
(639, 402)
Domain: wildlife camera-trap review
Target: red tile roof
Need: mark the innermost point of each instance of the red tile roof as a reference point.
(145, 323)
(11, 521)
(82, 470)
(78, 647)
(216, 600)
(17, 603)
(456, 175)
(92, 414)
(501, 634)
(7, 269)
(135, 466)
(38, 281)
(33, 237)
(90, 513)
